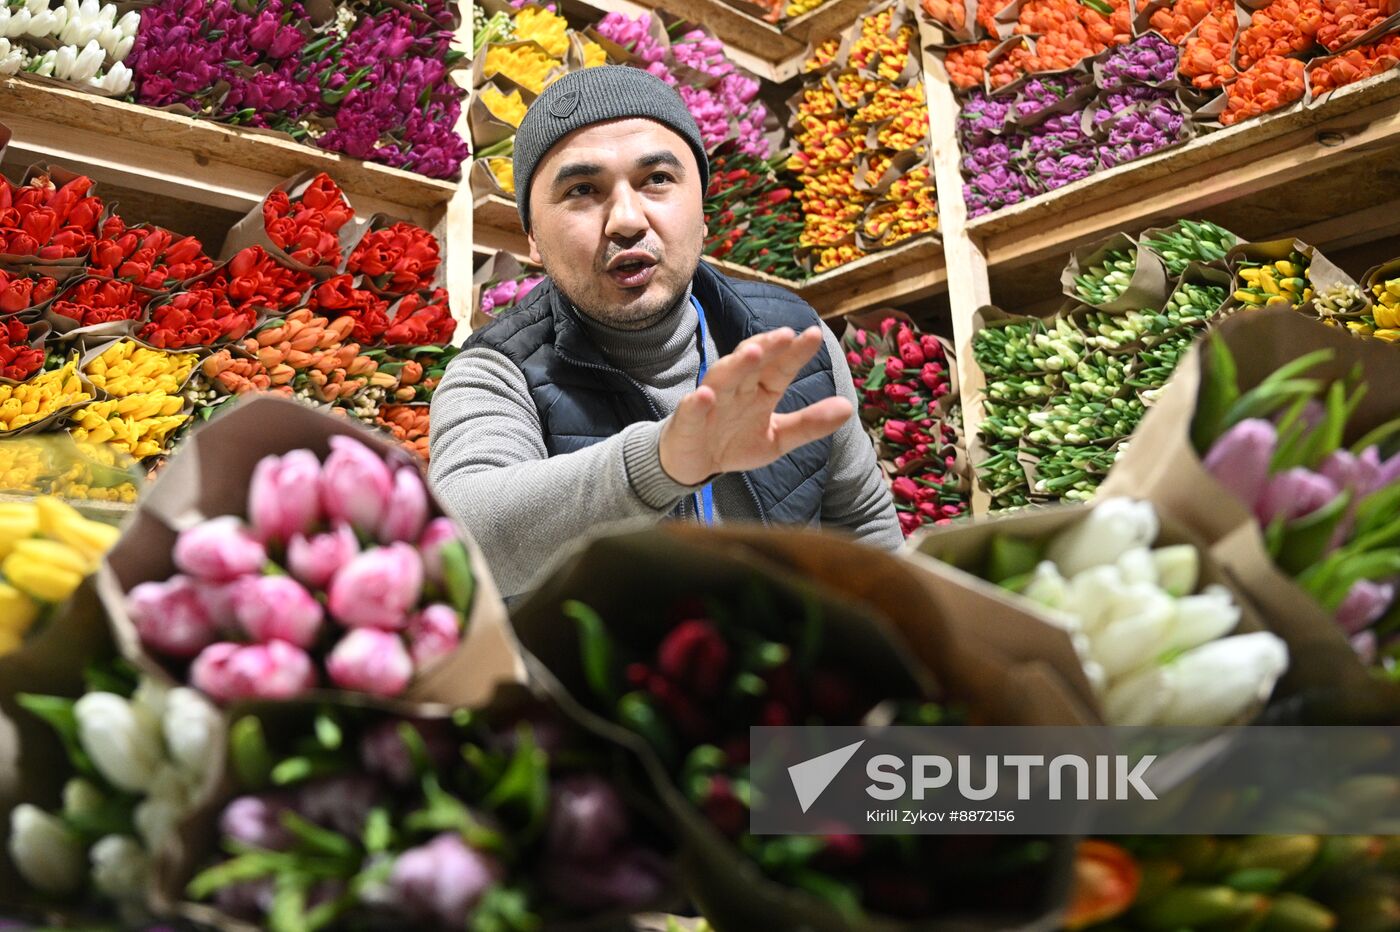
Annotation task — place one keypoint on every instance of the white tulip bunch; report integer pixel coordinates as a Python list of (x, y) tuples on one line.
[(157, 746), (93, 42), (13, 57), (83, 67), (1155, 653)]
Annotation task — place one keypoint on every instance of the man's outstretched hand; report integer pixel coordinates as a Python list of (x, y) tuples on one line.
[(728, 424)]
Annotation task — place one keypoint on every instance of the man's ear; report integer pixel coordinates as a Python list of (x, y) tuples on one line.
[(534, 250)]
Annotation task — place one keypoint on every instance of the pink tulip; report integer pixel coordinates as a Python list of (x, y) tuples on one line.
[(355, 484), (370, 661), (1293, 494), (440, 882), (229, 672), (905, 489), (315, 560), (1361, 474), (407, 509), (1365, 602), (218, 603), (1365, 646), (378, 588), (439, 533), (171, 617), (219, 550), (284, 497), (257, 821), (277, 608), (1239, 459), (433, 633)]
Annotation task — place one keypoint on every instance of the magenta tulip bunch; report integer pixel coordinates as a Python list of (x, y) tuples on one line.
[(336, 576)]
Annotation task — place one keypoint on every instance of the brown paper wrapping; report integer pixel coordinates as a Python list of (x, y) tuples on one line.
[(1161, 466), (487, 129), (616, 574), (1321, 273), (483, 182), (211, 476), (1148, 288), (252, 231)]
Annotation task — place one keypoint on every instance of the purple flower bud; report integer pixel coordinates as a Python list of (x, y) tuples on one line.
[(257, 821), (340, 803), (1239, 459), (1365, 602), (587, 818), (384, 753), (443, 880), (631, 878), (1294, 494)]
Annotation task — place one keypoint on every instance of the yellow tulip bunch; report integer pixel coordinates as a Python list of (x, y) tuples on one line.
[(1387, 304), (550, 30), (524, 64), (46, 393), (140, 425), (46, 548), (128, 368), (797, 8), (823, 55), (509, 108), (54, 464), (504, 172), (594, 54), (24, 464)]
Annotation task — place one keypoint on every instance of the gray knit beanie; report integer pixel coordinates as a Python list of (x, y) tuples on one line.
[(595, 95)]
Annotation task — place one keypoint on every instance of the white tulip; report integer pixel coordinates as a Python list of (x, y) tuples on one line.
[(64, 62), (81, 798), (4, 20), (151, 696), (1137, 567), (1215, 683), (42, 25), (1201, 618), (122, 739), (1047, 587), (46, 852), (1111, 527), (121, 869), (1092, 595), (89, 10), (1098, 680), (43, 65), (108, 15), (19, 23), (130, 24), (89, 62), (1136, 700), (193, 728), (35, 7), (1129, 640), (122, 48), (156, 820), (1178, 568), (116, 80), (108, 38)]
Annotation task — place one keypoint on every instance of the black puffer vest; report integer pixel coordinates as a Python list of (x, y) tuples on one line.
[(582, 399)]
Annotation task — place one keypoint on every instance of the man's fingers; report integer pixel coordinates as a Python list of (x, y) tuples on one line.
[(694, 408), (813, 422), (782, 367), (728, 374)]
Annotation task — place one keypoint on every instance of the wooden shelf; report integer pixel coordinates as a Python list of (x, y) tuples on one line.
[(109, 512), (193, 160), (905, 273), (1329, 174)]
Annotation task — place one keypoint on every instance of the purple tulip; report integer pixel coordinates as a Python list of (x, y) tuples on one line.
[(219, 550), (1365, 646), (587, 818), (1293, 494), (1239, 459), (1361, 474), (315, 560), (171, 617), (372, 661), (340, 803), (356, 485), (631, 878), (407, 508), (1148, 59), (257, 821), (1365, 602), (277, 608), (378, 588), (443, 880), (384, 753)]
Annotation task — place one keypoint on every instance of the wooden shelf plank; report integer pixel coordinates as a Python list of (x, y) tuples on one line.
[(905, 273), (196, 160), (826, 21)]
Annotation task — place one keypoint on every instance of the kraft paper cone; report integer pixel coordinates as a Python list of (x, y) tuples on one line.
[(1161, 466), (1148, 287), (210, 477), (615, 575)]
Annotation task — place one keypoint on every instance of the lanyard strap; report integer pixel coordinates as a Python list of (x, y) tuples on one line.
[(704, 500)]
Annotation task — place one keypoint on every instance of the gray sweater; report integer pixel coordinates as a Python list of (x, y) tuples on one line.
[(490, 467)]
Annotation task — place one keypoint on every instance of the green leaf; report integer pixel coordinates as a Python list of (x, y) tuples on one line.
[(1257, 879), (304, 767), (116, 675), (317, 840), (57, 711), (288, 912), (457, 573), (328, 731), (1305, 541), (378, 834), (1263, 400), (503, 910), (1009, 557), (248, 750), (524, 787), (1376, 509), (254, 865), (1218, 393), (1377, 437), (635, 712), (595, 649)]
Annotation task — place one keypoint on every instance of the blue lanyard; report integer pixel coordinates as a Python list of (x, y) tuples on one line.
[(704, 500)]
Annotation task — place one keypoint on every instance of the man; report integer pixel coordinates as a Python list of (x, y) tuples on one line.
[(636, 381)]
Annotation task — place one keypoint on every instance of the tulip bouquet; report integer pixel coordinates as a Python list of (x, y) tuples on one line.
[(418, 369), (149, 257), (1327, 512), (1190, 241), (1354, 65), (1155, 650), (1282, 281), (19, 358), (372, 83), (499, 819), (43, 396), (46, 549), (144, 408), (1279, 28), (307, 227), (1206, 56), (86, 43), (399, 259), (1385, 320), (139, 754), (1175, 20), (903, 377), (752, 217), (95, 301), (336, 570), (20, 290), (967, 64), (500, 297), (49, 217), (1068, 32), (54, 464), (409, 425), (1271, 83)]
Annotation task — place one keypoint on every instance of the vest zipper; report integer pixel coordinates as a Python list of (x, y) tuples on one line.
[(656, 412)]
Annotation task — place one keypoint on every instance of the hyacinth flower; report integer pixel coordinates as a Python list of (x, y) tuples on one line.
[(1328, 513)]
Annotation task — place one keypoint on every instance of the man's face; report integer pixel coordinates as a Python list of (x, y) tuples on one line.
[(617, 220)]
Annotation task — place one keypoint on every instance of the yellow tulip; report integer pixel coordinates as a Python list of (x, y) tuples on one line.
[(17, 611), (29, 570), (62, 522), (18, 520), (9, 641)]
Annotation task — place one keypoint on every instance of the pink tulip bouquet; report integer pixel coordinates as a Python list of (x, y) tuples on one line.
[(502, 818), (333, 575), (1328, 512)]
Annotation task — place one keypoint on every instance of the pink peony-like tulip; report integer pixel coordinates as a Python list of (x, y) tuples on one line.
[(1294, 493), (379, 588), (407, 510), (438, 533), (219, 550), (443, 880), (277, 608), (1239, 459), (284, 497), (316, 559), (433, 633), (1365, 602), (275, 670), (355, 485), (171, 617), (372, 661)]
